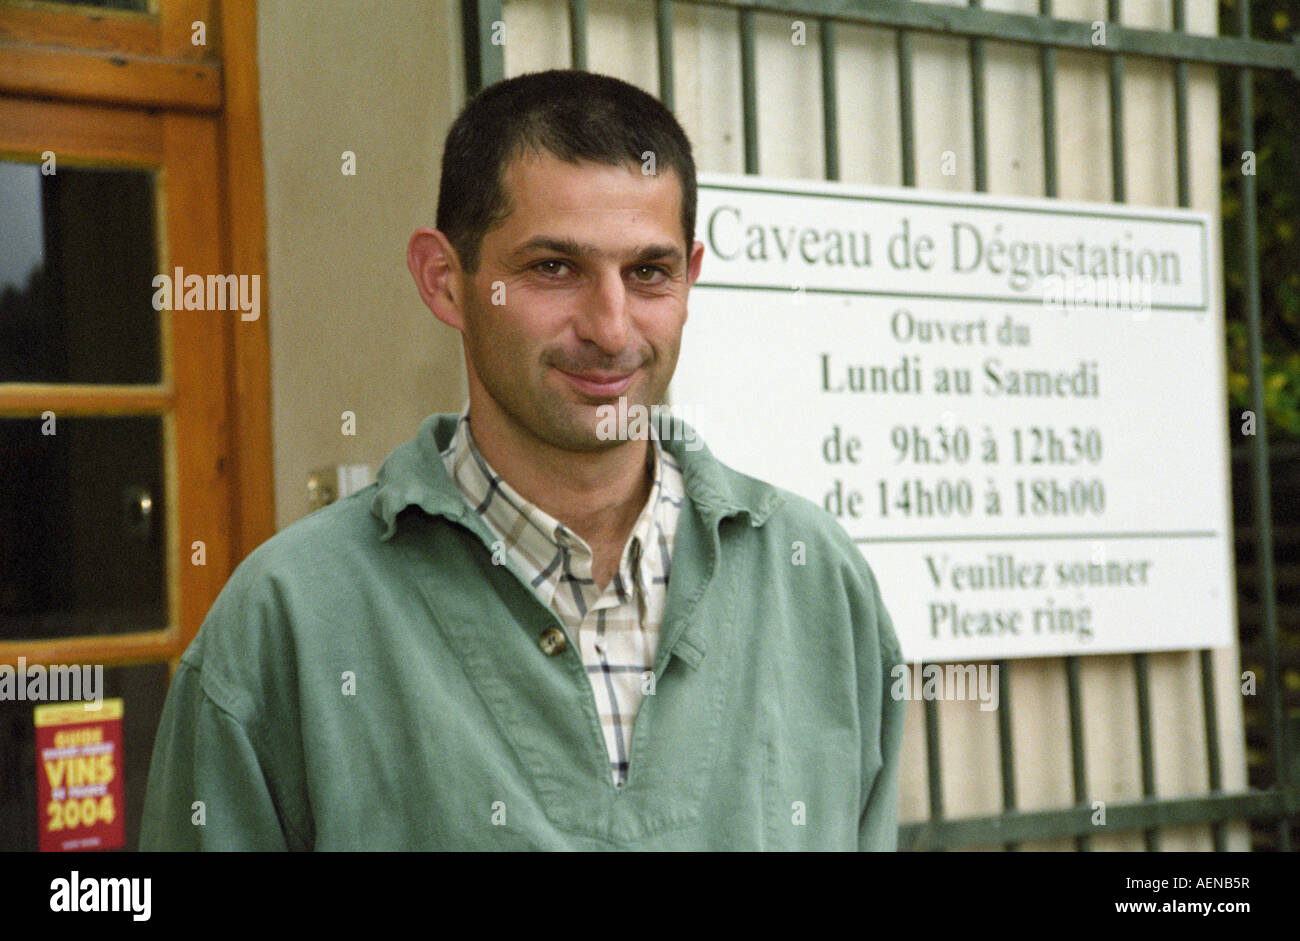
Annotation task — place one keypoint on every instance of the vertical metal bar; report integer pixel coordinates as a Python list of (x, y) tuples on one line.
[(1072, 685), (978, 135), (1208, 705), (907, 137), (1180, 113), (906, 117), (484, 58), (1259, 443), (979, 141), (748, 89), (1119, 193), (1047, 67), (664, 44), (1212, 742), (1118, 189), (1006, 743), (578, 34), (1051, 188), (933, 761), (830, 101), (1140, 666)]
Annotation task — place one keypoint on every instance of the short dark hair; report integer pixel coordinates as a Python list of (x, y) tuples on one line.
[(571, 114)]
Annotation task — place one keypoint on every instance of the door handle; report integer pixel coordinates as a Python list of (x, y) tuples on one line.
[(138, 511)]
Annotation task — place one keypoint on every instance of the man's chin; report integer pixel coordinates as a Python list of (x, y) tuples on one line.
[(602, 426)]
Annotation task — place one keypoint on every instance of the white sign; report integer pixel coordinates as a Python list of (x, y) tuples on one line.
[(1014, 406)]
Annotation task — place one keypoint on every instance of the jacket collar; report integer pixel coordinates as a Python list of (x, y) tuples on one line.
[(414, 475)]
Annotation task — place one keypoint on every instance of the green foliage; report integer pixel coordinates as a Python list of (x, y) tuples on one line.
[(1277, 164)]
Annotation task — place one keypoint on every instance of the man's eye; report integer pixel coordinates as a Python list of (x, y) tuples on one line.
[(551, 266), (648, 273)]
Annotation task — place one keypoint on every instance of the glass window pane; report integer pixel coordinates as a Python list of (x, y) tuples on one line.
[(77, 263), (82, 527)]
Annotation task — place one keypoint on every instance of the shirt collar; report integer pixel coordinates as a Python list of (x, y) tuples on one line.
[(413, 475), (533, 532)]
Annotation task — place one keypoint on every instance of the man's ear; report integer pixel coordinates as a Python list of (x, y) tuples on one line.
[(435, 266), (693, 270), (693, 267)]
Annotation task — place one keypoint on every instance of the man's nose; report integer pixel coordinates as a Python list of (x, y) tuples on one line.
[(604, 319)]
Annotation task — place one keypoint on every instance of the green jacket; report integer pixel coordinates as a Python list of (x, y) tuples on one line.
[(369, 679)]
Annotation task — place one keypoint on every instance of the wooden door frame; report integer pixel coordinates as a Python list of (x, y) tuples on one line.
[(70, 57), (244, 207)]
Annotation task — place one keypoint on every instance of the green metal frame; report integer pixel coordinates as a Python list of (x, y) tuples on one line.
[(485, 65)]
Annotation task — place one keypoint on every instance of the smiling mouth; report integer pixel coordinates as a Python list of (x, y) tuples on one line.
[(600, 385)]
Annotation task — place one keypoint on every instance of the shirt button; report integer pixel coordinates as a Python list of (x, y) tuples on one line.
[(553, 641)]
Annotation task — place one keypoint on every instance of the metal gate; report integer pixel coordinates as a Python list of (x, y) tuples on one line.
[(1276, 805)]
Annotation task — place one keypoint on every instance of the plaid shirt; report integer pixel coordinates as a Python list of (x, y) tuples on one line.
[(617, 630)]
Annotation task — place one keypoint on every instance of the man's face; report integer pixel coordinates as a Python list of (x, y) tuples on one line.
[(579, 298)]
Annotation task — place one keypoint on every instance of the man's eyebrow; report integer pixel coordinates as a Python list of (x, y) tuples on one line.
[(576, 249)]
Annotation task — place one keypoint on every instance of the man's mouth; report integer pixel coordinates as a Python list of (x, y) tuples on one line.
[(600, 384)]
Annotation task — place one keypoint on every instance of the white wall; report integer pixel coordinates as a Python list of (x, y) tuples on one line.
[(348, 331)]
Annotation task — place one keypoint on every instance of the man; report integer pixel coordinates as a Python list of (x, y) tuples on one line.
[(530, 633)]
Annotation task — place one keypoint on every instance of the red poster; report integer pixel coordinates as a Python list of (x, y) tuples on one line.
[(79, 765)]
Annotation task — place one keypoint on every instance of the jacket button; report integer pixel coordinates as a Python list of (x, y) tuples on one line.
[(553, 641)]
